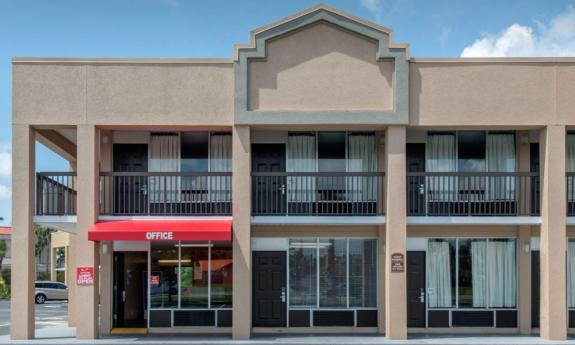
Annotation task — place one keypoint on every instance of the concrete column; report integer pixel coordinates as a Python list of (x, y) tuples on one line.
[(23, 236), (241, 205), (396, 233), (524, 285), (87, 254), (553, 233)]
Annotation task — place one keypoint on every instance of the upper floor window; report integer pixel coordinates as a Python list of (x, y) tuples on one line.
[(471, 151)]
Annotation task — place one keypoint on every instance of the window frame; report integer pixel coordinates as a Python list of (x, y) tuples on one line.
[(318, 291), (456, 307)]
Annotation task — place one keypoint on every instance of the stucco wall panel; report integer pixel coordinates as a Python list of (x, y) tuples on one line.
[(48, 94), (566, 94), (321, 68), (161, 94), (481, 94)]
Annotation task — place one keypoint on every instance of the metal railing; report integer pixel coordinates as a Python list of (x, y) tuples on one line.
[(55, 193), (570, 186), (473, 194), (166, 194), (317, 194)]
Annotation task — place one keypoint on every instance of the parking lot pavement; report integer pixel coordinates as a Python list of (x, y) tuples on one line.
[(47, 315)]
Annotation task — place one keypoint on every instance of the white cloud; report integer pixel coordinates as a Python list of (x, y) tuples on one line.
[(5, 160), (556, 38), (5, 192), (374, 6)]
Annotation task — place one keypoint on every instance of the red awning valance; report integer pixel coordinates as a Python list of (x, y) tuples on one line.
[(162, 230)]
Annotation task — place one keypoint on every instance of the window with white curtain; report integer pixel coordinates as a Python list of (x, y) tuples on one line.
[(441, 156), (471, 151), (332, 273), (301, 157), (331, 152), (220, 160), (485, 274), (164, 157)]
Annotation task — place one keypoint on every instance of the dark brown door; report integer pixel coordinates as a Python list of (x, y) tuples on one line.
[(535, 184), (269, 192), (535, 289), (269, 289), (416, 184), (415, 289), (130, 289), (130, 192)]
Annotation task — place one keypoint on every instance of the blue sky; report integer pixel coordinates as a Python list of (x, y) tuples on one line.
[(189, 28)]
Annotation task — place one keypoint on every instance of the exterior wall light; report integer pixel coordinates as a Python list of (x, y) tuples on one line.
[(526, 247)]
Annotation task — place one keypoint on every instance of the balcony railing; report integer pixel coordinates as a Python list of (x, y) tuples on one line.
[(317, 194), (55, 193), (166, 194), (570, 185), (473, 194)]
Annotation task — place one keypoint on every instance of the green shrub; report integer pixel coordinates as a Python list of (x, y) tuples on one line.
[(6, 276)]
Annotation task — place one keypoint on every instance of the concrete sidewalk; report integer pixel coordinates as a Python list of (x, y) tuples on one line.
[(64, 335)]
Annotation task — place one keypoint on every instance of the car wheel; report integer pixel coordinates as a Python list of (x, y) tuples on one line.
[(40, 299)]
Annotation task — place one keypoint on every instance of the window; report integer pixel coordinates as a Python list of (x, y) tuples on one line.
[(221, 279), (205, 279), (164, 275), (471, 151), (331, 151), (194, 151), (471, 273), (194, 275), (303, 272), (333, 273), (362, 273)]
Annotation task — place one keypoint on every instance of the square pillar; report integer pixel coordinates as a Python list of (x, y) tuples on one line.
[(396, 233), (553, 233), (87, 255), (23, 235), (241, 236)]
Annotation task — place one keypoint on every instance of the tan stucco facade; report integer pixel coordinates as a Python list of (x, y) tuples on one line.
[(320, 72)]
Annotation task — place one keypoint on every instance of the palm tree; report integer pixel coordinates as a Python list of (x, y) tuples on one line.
[(42, 239)]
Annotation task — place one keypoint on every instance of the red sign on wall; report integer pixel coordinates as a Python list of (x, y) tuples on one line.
[(155, 279), (85, 276), (397, 263)]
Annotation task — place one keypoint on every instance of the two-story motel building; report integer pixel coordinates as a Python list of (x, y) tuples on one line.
[(321, 180)]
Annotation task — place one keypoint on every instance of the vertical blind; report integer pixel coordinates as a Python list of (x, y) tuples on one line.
[(301, 157)]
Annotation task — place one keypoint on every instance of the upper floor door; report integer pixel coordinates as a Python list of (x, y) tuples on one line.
[(130, 192), (269, 192)]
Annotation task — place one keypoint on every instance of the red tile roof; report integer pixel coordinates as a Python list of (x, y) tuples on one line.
[(5, 230)]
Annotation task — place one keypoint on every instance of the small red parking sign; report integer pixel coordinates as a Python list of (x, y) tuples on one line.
[(85, 276)]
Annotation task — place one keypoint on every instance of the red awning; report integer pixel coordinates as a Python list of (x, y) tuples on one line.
[(163, 230)]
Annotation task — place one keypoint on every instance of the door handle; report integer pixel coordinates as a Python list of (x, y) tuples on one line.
[(422, 295), (144, 189), (282, 188), (124, 296), (283, 295), (421, 189)]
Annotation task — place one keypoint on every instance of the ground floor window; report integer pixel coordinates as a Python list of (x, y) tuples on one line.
[(332, 273), (190, 275), (471, 273)]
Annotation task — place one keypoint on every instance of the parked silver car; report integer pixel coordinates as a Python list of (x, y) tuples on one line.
[(48, 291)]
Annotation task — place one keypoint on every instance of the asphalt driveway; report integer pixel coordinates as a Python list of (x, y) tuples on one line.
[(48, 314)]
